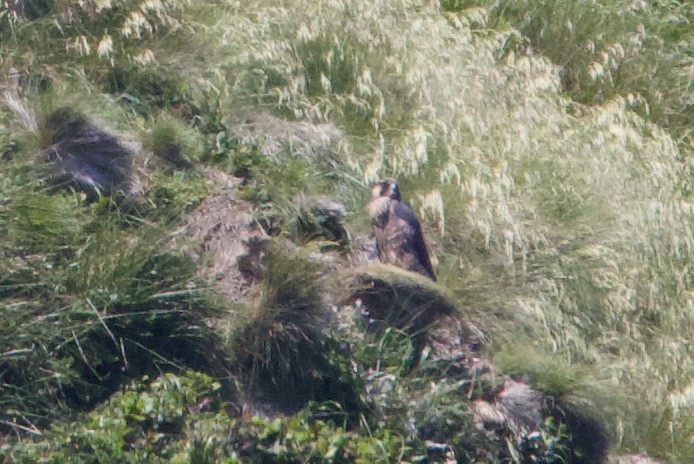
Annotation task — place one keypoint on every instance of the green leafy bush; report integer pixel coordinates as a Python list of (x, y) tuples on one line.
[(147, 422), (181, 419)]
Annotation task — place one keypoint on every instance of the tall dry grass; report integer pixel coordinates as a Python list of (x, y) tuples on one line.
[(576, 219)]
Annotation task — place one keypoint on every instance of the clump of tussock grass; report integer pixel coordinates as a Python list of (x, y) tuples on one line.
[(174, 142), (282, 350), (313, 221), (169, 195), (40, 221), (288, 190), (98, 47), (110, 31), (278, 137), (547, 372), (403, 299), (89, 302), (319, 219), (399, 308), (92, 295), (276, 181)]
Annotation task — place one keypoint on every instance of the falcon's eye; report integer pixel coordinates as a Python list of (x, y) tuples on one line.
[(393, 190)]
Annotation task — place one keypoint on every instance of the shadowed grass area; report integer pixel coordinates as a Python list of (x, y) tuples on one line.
[(89, 301), (403, 299), (94, 315)]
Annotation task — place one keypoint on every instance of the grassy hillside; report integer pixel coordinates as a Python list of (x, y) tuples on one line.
[(545, 145)]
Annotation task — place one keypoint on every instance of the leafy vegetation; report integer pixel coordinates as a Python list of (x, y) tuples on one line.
[(546, 146)]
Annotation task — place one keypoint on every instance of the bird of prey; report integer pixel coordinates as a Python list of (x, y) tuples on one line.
[(399, 238)]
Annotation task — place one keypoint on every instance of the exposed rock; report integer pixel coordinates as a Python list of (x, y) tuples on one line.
[(516, 406), (456, 344), (319, 219), (363, 250), (521, 405), (325, 208), (486, 413), (223, 228)]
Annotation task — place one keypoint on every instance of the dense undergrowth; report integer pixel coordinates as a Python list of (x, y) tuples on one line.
[(546, 146)]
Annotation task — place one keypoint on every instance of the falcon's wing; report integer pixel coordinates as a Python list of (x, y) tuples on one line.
[(415, 238)]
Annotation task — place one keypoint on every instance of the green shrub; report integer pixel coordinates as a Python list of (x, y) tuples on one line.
[(174, 142), (150, 421), (548, 446), (170, 196)]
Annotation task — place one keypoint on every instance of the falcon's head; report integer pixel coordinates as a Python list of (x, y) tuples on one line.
[(386, 188)]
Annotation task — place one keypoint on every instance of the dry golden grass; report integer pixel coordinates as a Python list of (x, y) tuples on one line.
[(583, 210)]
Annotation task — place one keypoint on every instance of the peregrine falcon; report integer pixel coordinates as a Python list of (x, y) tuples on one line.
[(399, 238)]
